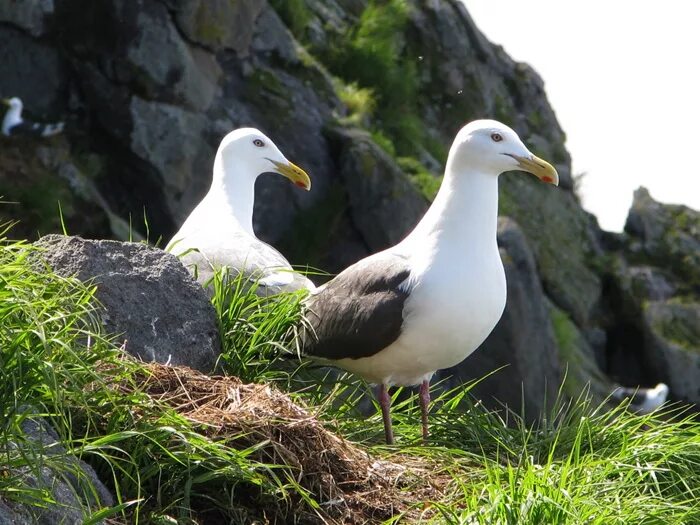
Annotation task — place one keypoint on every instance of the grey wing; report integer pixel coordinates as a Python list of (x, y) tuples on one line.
[(359, 312), (637, 396), (35, 129), (26, 128), (257, 260)]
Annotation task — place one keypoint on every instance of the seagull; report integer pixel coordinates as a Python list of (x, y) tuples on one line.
[(219, 231), (14, 125), (398, 316), (642, 400)]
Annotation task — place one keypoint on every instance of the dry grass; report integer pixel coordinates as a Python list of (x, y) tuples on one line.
[(350, 486)]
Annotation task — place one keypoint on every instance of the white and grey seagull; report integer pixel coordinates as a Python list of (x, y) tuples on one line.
[(219, 231), (398, 316), (13, 124), (642, 400)]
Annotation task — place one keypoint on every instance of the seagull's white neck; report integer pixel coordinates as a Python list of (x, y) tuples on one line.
[(235, 194), (464, 212), (12, 118)]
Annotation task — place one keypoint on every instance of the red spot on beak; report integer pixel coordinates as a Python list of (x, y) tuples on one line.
[(547, 178), (300, 184)]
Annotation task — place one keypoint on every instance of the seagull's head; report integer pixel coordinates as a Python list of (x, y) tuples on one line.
[(493, 147), (249, 152), (13, 103), (661, 391)]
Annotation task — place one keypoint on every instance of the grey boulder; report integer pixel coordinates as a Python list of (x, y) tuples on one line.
[(673, 345), (72, 483), (147, 296)]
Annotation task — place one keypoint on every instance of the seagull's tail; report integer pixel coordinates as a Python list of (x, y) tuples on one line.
[(52, 129)]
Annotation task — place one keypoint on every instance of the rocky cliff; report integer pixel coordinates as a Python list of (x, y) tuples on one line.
[(366, 96)]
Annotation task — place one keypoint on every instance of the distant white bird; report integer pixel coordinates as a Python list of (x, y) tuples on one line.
[(398, 316), (219, 231), (14, 125), (642, 400)]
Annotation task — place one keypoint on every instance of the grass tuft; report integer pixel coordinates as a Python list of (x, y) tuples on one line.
[(176, 446), (255, 328)]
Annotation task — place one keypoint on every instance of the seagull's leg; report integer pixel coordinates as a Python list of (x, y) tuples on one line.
[(424, 396), (385, 403)]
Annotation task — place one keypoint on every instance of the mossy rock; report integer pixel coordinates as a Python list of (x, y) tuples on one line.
[(577, 359), (665, 235), (673, 345), (38, 197), (219, 24), (677, 322), (560, 234)]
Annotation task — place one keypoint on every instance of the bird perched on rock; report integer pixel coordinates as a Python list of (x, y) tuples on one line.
[(219, 231), (14, 125), (642, 400), (398, 316)]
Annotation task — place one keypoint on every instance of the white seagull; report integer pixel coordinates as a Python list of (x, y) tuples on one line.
[(642, 400), (398, 316), (219, 231), (14, 125)]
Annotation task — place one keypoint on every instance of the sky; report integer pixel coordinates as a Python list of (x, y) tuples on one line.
[(623, 77)]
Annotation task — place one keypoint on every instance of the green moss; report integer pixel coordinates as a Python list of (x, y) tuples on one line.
[(374, 58), (384, 142), (307, 59), (37, 204), (574, 355), (565, 334), (427, 183), (295, 14), (558, 232), (208, 27), (678, 332), (360, 102), (679, 325), (682, 220), (272, 99), (534, 118), (43, 199), (437, 148), (262, 79), (502, 109)]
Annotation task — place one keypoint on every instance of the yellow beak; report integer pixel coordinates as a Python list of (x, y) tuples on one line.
[(541, 169), (294, 173)]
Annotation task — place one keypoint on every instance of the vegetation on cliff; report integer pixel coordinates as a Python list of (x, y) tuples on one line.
[(174, 445), (270, 441)]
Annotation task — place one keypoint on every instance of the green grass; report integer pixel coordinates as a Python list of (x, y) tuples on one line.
[(376, 79), (588, 466), (427, 183), (360, 102), (295, 15), (255, 329), (55, 364), (373, 59), (580, 464)]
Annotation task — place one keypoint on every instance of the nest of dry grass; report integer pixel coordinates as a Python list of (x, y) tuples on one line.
[(351, 486)]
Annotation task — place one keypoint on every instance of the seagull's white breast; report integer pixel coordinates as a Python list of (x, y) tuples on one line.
[(455, 303)]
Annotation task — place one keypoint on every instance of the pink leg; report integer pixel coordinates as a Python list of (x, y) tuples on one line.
[(385, 403), (424, 396)]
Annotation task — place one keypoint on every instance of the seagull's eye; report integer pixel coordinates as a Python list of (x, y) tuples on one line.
[(259, 143), (496, 137)]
